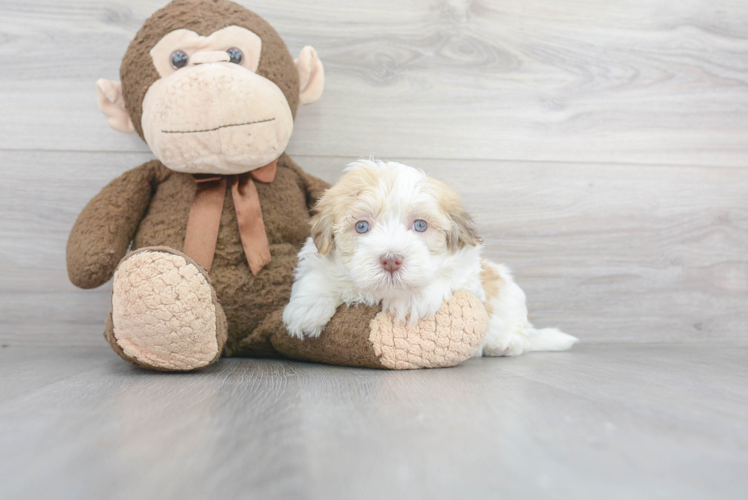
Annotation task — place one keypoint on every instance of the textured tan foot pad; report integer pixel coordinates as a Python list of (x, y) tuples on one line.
[(164, 312), (451, 337)]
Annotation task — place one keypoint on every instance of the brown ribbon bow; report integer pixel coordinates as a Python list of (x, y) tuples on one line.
[(205, 216)]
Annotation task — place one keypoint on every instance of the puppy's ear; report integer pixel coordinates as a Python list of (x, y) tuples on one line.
[(462, 232), (322, 228)]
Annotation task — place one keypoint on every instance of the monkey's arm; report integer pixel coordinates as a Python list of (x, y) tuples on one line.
[(106, 226), (367, 337)]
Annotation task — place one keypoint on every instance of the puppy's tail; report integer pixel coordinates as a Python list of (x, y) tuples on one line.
[(548, 339)]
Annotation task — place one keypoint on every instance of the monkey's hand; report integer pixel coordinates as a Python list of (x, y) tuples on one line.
[(101, 235)]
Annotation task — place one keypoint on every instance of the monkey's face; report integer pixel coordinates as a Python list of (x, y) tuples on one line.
[(211, 105), (210, 112)]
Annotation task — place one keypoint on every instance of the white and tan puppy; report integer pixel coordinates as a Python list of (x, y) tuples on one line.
[(387, 233)]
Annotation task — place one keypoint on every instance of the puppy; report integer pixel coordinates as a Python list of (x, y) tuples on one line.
[(387, 233)]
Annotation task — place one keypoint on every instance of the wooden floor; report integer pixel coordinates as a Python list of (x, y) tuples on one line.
[(603, 150), (599, 422)]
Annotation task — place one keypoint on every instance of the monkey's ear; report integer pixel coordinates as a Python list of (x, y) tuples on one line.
[(311, 76), (112, 104)]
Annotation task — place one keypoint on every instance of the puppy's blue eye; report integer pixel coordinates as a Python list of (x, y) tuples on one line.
[(179, 59), (420, 225), (362, 227)]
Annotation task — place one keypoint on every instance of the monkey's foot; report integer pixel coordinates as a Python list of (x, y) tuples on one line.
[(367, 337), (451, 337), (165, 315)]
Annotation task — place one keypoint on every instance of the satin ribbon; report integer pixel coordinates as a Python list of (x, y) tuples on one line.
[(205, 216)]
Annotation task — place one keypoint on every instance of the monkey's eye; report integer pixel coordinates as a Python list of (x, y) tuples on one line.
[(179, 59), (235, 55), (362, 227), (420, 225)]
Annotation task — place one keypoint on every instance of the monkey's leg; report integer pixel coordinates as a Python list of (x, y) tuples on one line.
[(366, 337), (165, 315)]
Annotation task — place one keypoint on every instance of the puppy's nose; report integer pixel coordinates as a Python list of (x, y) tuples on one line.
[(390, 262)]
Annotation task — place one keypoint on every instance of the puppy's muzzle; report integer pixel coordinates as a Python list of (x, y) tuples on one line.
[(391, 262)]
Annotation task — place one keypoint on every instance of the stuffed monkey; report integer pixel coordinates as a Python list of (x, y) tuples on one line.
[(213, 225)]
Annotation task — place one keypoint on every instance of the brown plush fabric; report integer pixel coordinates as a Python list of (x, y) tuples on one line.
[(148, 207), (345, 341), (162, 199), (203, 17), (104, 229)]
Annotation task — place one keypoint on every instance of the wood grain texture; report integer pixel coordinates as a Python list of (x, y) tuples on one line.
[(604, 421), (643, 81), (606, 252)]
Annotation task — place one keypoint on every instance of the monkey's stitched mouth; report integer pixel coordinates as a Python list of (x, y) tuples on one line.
[(215, 128)]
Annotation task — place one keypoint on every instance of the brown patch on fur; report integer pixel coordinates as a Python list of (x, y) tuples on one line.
[(463, 231), (203, 17), (334, 207), (491, 285), (322, 229)]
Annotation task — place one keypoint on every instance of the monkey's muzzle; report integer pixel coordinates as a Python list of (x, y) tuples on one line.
[(216, 118)]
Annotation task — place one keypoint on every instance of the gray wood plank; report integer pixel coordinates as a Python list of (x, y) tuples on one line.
[(600, 421), (606, 252), (645, 81), (20, 375), (192, 455)]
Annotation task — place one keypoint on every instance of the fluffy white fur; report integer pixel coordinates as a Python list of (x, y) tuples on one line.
[(337, 265)]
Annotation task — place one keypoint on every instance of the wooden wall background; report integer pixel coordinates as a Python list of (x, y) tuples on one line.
[(602, 146)]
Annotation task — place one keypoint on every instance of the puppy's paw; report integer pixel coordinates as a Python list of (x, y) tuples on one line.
[(305, 319), (302, 328), (505, 344), (302, 334)]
